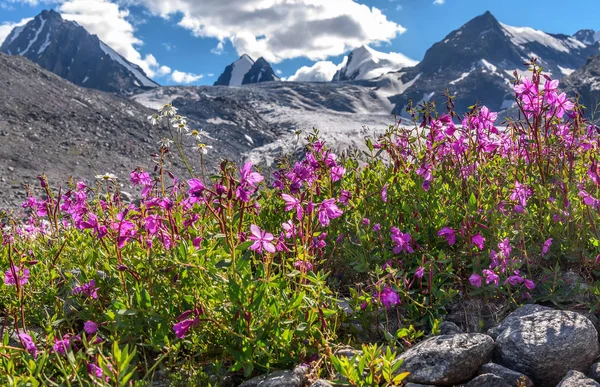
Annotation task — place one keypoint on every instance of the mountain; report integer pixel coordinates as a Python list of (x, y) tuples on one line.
[(50, 125), (245, 71), (68, 50), (477, 63), (366, 63), (585, 83), (588, 37)]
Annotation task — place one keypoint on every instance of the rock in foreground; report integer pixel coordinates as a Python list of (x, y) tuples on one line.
[(448, 359)]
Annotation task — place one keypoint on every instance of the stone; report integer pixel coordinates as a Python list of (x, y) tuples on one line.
[(511, 377), (449, 328), (547, 344), (525, 310), (418, 385), (577, 379), (488, 380), (448, 359), (594, 372), (321, 383), (285, 378)]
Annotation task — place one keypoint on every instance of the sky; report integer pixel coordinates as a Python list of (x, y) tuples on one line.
[(190, 42)]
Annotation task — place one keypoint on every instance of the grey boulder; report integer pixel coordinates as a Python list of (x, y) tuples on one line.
[(287, 378), (511, 377), (488, 380), (594, 372), (523, 311), (546, 345), (577, 379), (449, 328), (446, 360)]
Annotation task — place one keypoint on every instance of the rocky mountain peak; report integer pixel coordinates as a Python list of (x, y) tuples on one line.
[(70, 51)]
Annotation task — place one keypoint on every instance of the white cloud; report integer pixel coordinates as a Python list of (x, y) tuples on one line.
[(163, 70), (219, 50), (439, 2), (281, 29), (6, 28), (111, 24), (181, 77), (319, 72)]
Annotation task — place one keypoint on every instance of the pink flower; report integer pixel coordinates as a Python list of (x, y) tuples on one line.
[(491, 277), (521, 193), (62, 346), (514, 280), (546, 246), (249, 177), (401, 240), (529, 284), (478, 241), (337, 173), (384, 193), (88, 289), (292, 203), (21, 273), (185, 323), (475, 280), (328, 211), (345, 197), (420, 271), (262, 240), (366, 221), (389, 297), (28, 343), (526, 87), (562, 105), (449, 234), (289, 228), (376, 227), (550, 88), (90, 327), (196, 190)]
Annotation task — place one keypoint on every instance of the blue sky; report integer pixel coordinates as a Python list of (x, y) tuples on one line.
[(191, 41)]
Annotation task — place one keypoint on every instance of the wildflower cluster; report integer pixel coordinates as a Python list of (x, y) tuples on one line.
[(243, 271)]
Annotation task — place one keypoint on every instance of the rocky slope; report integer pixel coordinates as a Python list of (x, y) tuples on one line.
[(47, 124), (585, 83), (68, 50)]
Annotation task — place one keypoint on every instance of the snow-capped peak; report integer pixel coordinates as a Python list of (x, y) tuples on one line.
[(367, 63), (240, 68), (522, 35), (589, 37)]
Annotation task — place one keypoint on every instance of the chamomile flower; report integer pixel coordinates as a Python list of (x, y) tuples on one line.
[(198, 134), (106, 176), (203, 148), (168, 110), (165, 142), (154, 119)]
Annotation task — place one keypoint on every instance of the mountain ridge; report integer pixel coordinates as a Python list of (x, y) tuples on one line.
[(70, 51)]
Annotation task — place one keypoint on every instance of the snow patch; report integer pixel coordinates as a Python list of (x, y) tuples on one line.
[(16, 32), (46, 43), (524, 35), (85, 79), (566, 71), (250, 140), (488, 65), (240, 68), (35, 38), (118, 58), (462, 76), (219, 121)]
